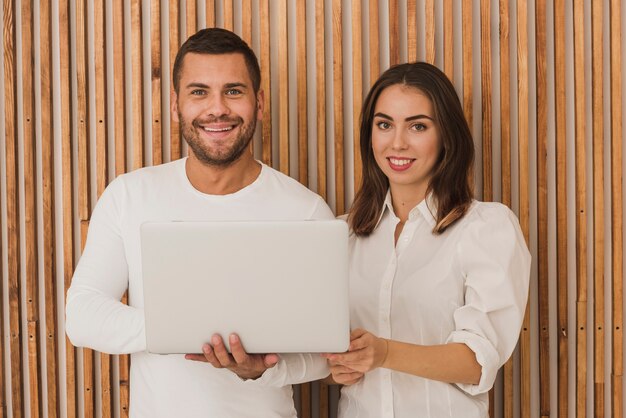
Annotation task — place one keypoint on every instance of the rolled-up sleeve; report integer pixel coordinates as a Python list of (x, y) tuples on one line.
[(95, 317), (495, 262), (293, 369)]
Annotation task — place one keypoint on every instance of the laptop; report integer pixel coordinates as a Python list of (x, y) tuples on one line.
[(282, 286)]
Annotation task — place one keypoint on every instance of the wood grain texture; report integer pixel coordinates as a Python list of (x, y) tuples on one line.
[(210, 13), (598, 207), (505, 102), (411, 29), (119, 91), (541, 91), (176, 149), (302, 94), (48, 210), (67, 139), (89, 382), (617, 214), (561, 207), (30, 208), (524, 175), (305, 400), (485, 77), (374, 42), (12, 209), (581, 215), (138, 134), (357, 89), (155, 55), (246, 20), (283, 89), (430, 30), (266, 139), (320, 92), (448, 39), (228, 14), (323, 402), (467, 61), (191, 13), (338, 110), (99, 53), (394, 32)]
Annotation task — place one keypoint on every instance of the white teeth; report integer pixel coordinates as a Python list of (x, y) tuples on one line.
[(395, 161), (218, 130)]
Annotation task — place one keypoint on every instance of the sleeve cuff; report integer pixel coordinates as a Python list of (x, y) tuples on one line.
[(293, 369), (487, 357)]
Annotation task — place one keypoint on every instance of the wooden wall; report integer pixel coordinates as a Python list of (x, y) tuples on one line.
[(86, 98)]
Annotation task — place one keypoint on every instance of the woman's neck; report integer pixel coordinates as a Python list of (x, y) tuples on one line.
[(405, 198)]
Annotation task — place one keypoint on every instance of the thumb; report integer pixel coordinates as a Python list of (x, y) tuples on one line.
[(270, 360)]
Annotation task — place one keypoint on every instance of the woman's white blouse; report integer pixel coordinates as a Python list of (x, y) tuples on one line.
[(468, 285)]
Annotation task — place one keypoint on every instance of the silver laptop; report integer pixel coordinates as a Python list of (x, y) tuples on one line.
[(281, 286)]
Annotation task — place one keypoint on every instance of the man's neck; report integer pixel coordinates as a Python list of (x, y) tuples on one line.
[(216, 180)]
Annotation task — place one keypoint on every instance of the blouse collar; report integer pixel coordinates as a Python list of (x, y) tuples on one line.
[(427, 208)]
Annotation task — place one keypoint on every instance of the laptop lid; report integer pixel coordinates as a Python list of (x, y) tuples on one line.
[(281, 286)]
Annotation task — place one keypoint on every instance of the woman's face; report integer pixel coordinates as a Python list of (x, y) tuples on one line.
[(405, 138)]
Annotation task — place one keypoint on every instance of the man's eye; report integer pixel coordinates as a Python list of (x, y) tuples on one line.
[(233, 92), (197, 92)]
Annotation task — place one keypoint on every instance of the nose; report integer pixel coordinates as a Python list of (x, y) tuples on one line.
[(399, 141), (217, 106)]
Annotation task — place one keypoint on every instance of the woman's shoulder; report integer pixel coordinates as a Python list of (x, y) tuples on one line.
[(489, 212)]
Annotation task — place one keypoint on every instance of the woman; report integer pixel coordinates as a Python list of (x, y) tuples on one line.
[(438, 281)]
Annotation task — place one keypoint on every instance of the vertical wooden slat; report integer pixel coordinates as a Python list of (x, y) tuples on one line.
[(228, 14), (467, 61), (88, 355), (192, 18), (485, 55), (394, 33), (598, 207), (301, 71), (30, 209), (155, 47), (210, 13), (617, 214), (581, 215), (67, 138), (338, 105), (374, 44), (49, 247), (357, 88), (137, 88), (283, 89), (524, 207), (174, 24), (430, 30), (3, 383), (411, 27), (12, 196), (264, 15), (542, 208), (561, 206), (324, 404), (505, 158), (106, 384), (320, 77), (119, 78), (305, 400), (448, 42), (246, 21), (83, 174)]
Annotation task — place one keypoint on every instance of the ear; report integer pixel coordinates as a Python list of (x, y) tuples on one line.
[(174, 105), (260, 103)]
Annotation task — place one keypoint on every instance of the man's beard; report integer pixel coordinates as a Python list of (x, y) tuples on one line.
[(204, 153)]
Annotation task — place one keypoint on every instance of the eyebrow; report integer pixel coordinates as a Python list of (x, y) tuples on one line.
[(410, 118), (205, 86)]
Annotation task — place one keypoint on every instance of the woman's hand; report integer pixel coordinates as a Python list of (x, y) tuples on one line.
[(366, 352)]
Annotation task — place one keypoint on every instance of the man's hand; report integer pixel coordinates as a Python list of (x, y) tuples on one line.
[(244, 365), (344, 375)]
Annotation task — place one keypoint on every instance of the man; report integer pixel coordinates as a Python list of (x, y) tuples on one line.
[(217, 101)]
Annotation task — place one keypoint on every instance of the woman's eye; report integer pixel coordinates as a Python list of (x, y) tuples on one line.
[(419, 127), (383, 125)]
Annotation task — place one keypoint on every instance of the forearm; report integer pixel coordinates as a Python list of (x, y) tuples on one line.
[(452, 363)]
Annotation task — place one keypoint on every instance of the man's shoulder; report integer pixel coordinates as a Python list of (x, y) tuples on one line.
[(276, 178), (151, 173)]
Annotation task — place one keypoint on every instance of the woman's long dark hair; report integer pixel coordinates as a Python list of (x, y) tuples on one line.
[(450, 182)]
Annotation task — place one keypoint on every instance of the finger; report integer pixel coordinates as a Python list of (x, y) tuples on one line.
[(359, 343), (209, 356), (270, 360), (196, 357), (237, 350), (219, 349), (356, 333), (341, 370)]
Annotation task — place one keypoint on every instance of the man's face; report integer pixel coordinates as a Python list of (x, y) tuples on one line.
[(216, 106)]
